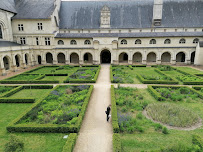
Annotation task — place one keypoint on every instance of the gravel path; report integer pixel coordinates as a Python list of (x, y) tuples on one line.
[(96, 134)]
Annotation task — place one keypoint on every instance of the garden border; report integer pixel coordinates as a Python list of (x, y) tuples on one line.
[(49, 128), (70, 143), (157, 95)]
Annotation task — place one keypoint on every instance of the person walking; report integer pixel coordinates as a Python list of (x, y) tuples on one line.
[(108, 110)]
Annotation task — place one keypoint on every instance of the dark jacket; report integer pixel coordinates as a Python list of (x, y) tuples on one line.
[(108, 110)]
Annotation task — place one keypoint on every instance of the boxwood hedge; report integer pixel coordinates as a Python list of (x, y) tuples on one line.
[(70, 143)]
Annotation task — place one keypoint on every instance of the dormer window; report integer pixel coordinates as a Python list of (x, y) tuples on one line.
[(196, 40), (20, 27), (105, 17), (73, 42), (123, 41)]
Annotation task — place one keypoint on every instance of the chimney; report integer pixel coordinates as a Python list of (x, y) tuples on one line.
[(157, 12)]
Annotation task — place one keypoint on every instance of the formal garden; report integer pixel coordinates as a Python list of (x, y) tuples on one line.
[(36, 117), (164, 117), (160, 118), (56, 74), (161, 74)]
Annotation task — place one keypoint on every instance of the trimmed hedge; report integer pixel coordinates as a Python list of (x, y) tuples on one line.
[(56, 74), (111, 74), (189, 82), (48, 128), (157, 95), (17, 100), (28, 82), (116, 142), (199, 74), (13, 91), (114, 111), (155, 81), (139, 66), (70, 143), (84, 81), (38, 87)]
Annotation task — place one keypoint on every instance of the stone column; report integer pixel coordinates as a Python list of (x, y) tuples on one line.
[(67, 58), (54, 58), (2, 69), (13, 64)]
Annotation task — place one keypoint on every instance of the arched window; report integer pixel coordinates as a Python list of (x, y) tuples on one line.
[(152, 41), (123, 41), (87, 42), (138, 41), (167, 41), (73, 42), (182, 41), (60, 42), (196, 40), (1, 33)]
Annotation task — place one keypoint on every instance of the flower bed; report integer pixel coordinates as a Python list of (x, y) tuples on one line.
[(62, 110)]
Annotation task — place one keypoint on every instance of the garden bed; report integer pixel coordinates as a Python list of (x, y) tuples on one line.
[(62, 110)]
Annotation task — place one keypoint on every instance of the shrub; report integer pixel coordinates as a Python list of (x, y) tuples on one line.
[(165, 130), (197, 140), (14, 145), (116, 142), (158, 127), (176, 148)]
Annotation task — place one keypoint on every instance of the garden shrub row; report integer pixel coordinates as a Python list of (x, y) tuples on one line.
[(111, 74), (34, 69), (17, 100), (162, 73), (114, 111), (48, 128), (139, 66), (116, 142), (188, 82), (70, 143), (38, 87), (157, 96), (13, 91), (199, 74), (155, 81), (28, 82)]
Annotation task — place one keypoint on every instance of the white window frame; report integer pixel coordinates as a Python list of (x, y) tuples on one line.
[(22, 40), (47, 41), (20, 27), (40, 26)]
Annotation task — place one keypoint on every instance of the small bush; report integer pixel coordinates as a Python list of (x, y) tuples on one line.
[(197, 140), (165, 130), (14, 145)]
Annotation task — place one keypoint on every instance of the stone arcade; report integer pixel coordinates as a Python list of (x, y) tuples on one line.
[(94, 32)]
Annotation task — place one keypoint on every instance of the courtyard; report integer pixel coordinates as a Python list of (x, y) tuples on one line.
[(153, 108)]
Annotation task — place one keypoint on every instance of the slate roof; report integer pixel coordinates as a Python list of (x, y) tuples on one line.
[(126, 35), (8, 5), (130, 14), (34, 9), (8, 44)]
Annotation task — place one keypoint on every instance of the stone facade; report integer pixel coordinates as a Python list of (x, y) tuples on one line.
[(45, 42)]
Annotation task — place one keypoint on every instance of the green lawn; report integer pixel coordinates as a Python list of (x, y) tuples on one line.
[(30, 93), (150, 139), (55, 78), (190, 70), (24, 77), (34, 142), (44, 70)]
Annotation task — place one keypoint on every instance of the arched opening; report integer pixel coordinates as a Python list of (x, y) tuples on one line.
[(88, 58), (151, 57), (123, 58), (26, 59), (192, 59), (6, 63), (105, 56), (1, 32), (39, 58), (17, 58), (60, 42), (137, 57), (74, 58), (166, 57), (61, 58), (180, 57), (49, 58)]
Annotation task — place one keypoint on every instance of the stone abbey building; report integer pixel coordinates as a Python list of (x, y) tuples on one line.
[(94, 32)]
